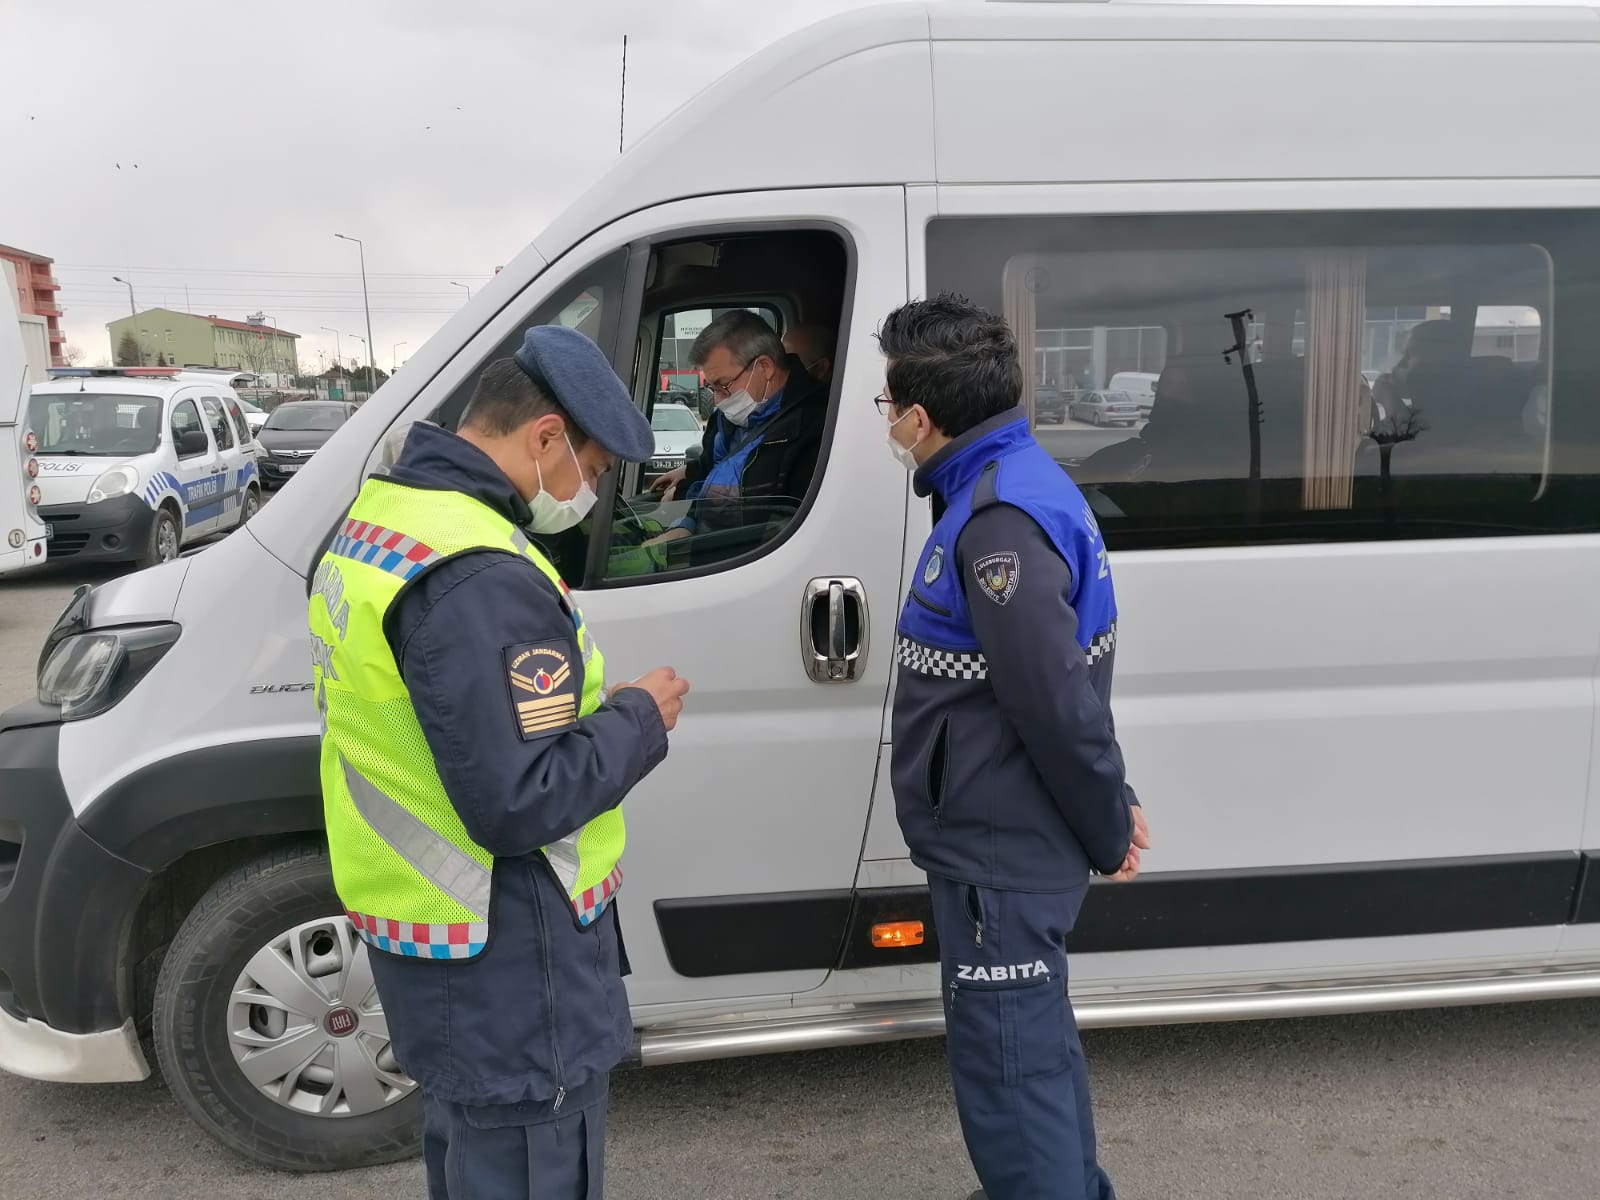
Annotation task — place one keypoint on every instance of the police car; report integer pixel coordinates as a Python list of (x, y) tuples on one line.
[(135, 462)]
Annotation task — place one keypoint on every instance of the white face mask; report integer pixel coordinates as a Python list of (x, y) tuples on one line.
[(738, 407), (903, 454), (549, 515)]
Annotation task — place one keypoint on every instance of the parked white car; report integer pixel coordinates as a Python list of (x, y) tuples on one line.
[(136, 462), (676, 428)]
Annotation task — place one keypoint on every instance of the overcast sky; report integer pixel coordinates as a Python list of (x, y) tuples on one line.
[(444, 135)]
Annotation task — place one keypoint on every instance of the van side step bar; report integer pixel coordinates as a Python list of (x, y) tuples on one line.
[(862, 1024)]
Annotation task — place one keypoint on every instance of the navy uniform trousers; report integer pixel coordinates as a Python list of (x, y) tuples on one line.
[(1022, 1090), (517, 1151)]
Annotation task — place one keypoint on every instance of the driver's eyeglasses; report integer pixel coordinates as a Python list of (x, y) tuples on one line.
[(725, 389), (883, 402)]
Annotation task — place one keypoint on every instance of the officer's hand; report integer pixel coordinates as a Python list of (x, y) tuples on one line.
[(1141, 829), (671, 479), (1129, 869), (667, 688)]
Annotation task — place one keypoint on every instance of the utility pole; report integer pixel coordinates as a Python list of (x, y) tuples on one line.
[(367, 304), (133, 310)]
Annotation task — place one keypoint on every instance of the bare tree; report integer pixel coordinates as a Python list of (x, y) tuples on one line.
[(259, 353), (72, 354)]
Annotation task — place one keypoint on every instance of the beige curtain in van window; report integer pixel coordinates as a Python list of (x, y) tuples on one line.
[(1024, 278), (1336, 317)]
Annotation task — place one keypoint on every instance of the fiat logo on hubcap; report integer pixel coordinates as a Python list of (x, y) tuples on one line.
[(341, 1022)]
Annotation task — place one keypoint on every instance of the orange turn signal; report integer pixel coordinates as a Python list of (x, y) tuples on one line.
[(896, 934)]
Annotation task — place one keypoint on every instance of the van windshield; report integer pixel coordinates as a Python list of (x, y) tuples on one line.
[(98, 424)]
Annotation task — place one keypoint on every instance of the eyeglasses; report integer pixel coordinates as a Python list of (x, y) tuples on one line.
[(725, 389), (883, 402)]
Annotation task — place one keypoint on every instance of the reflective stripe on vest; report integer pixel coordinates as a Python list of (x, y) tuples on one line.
[(450, 870)]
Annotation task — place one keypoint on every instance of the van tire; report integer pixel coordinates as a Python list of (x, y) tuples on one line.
[(165, 539), (243, 912), (251, 505)]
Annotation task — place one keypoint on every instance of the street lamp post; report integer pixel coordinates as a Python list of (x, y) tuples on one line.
[(463, 286), (133, 310), (394, 357), (365, 303)]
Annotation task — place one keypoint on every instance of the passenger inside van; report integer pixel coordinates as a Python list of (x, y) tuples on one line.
[(813, 345)]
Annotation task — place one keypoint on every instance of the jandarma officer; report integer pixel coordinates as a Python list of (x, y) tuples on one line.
[(473, 765)]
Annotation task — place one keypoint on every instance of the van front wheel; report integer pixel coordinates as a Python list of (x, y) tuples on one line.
[(268, 1026)]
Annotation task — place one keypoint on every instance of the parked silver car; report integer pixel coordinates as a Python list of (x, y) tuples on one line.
[(1104, 408)]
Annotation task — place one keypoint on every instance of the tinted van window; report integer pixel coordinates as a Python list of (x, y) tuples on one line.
[(1316, 377)]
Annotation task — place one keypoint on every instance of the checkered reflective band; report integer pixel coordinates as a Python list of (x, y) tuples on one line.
[(461, 940), (951, 664), (383, 548), (1102, 645), (941, 664), (593, 902)]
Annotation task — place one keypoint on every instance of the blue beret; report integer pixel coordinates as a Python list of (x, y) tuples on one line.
[(579, 377)]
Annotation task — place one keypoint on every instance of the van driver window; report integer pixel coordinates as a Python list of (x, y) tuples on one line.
[(739, 424), (1321, 377)]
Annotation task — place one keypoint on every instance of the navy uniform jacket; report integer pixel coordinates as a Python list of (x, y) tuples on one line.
[(1006, 768), (542, 1011)]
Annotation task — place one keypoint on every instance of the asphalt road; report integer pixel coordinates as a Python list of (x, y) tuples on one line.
[(1455, 1104)]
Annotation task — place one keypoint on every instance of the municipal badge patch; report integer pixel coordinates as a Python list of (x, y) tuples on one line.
[(544, 691), (935, 566), (998, 575)]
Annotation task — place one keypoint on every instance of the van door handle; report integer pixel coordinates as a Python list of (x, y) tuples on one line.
[(833, 630)]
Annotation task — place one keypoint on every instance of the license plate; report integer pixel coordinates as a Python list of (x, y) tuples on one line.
[(290, 468), (49, 531), (662, 464)]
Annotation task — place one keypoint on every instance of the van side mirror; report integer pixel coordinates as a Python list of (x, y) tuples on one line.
[(193, 444)]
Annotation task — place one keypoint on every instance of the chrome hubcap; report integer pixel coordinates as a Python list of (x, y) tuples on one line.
[(306, 1027), (167, 541)]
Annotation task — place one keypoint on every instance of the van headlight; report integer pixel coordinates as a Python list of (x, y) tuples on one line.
[(118, 481), (87, 673)]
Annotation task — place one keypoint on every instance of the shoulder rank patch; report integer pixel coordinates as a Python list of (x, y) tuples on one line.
[(544, 691), (998, 575), (934, 567)]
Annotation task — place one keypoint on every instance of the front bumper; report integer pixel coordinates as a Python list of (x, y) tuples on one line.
[(112, 531), (34, 1050), (277, 472), (65, 904)]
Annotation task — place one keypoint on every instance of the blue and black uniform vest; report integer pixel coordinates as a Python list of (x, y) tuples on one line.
[(971, 803)]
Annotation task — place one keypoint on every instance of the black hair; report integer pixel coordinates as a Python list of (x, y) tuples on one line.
[(507, 398), (958, 361)]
